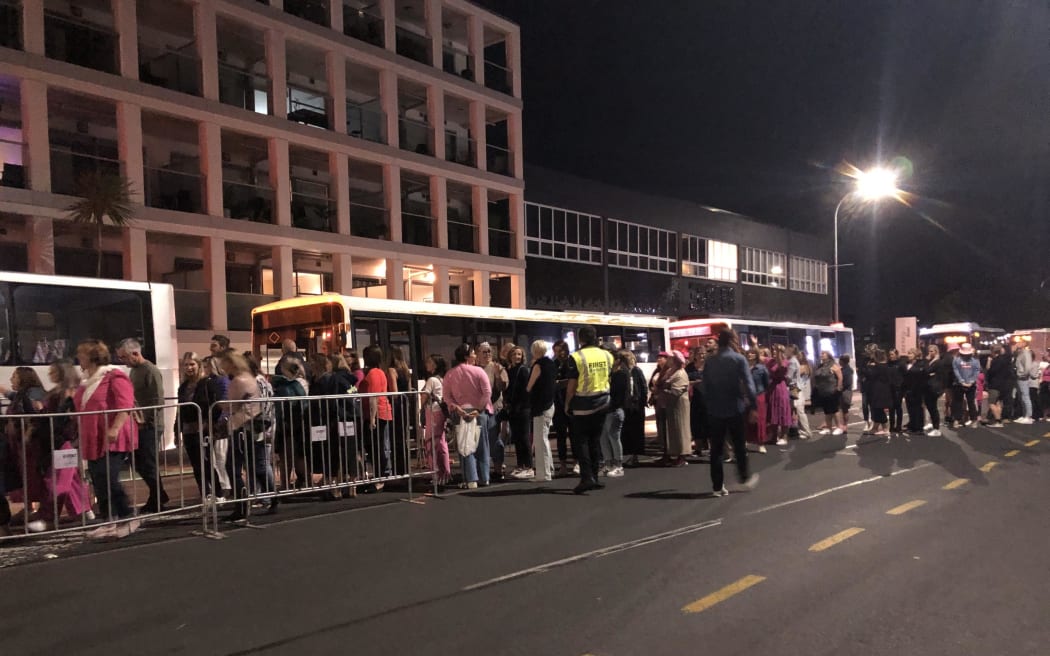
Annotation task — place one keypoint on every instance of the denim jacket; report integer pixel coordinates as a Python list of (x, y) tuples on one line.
[(966, 369)]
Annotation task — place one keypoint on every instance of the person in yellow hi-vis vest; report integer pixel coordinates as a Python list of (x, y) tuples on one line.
[(589, 371)]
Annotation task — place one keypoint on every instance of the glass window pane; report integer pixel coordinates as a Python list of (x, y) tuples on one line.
[(572, 228)]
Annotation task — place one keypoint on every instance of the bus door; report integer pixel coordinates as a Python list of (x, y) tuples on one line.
[(387, 333)]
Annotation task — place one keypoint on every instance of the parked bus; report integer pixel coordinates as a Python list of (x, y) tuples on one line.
[(947, 334), (330, 323), (688, 333), (43, 318)]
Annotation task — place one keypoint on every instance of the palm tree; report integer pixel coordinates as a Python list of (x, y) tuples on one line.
[(102, 196)]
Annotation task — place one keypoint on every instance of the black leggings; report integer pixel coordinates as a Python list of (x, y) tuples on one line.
[(930, 398), (897, 413), (914, 402)]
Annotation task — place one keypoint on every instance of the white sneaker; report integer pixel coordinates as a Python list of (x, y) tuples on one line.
[(751, 482), (928, 427), (782, 442), (934, 433), (527, 473), (604, 471), (1023, 420), (824, 431), (968, 423), (837, 431), (761, 448), (868, 426), (615, 472), (127, 528), (37, 526), (576, 470), (720, 493)]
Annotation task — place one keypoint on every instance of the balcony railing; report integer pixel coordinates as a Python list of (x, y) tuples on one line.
[(501, 242), (174, 190), (178, 70), (67, 167), (247, 202), (80, 42), (497, 159), (315, 11), (417, 229), (497, 77), (459, 148), (457, 62), (413, 45), (11, 24), (239, 308), (313, 212), (415, 136), (241, 88), (308, 106), (461, 236), (362, 25), (192, 309), (12, 156), (365, 122), (369, 221)]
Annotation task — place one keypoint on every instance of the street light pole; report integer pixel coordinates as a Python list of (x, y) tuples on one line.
[(835, 309)]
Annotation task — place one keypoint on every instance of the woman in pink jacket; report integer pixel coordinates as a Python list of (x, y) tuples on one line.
[(106, 438)]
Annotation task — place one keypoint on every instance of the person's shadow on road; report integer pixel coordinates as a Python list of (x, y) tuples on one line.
[(884, 456), (814, 450)]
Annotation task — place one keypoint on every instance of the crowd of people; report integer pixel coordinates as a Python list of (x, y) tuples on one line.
[(241, 443)]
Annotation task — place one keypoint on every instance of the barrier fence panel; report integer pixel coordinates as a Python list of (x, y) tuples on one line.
[(75, 471), (263, 450)]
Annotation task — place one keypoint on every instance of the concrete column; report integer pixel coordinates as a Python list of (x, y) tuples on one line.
[(136, 261), (388, 102), (277, 70), (517, 225), (395, 279), (514, 141), (283, 272), (517, 291), (339, 165), (436, 118), (435, 32), (35, 129), (342, 273), (33, 28), (513, 45), (41, 245), (209, 137), (129, 147), (207, 48), (392, 192), (280, 181), (477, 131), (481, 289), (125, 17), (388, 10), (476, 46), (335, 65), (335, 17), (479, 200), (439, 210), (441, 294), (213, 252)]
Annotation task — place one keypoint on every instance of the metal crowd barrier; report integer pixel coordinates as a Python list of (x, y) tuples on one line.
[(42, 466), (267, 450)]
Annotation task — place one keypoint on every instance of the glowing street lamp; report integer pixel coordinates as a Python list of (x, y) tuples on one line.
[(869, 186)]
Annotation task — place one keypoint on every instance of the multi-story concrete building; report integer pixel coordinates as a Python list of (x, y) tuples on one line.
[(273, 148), (593, 246)]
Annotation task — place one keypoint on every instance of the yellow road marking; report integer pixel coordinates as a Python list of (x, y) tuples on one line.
[(903, 508), (988, 466), (1046, 435), (1032, 443), (959, 482), (719, 596), (835, 539), (1011, 454)]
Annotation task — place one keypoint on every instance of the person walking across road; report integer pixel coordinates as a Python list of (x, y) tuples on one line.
[(729, 391), (587, 400)]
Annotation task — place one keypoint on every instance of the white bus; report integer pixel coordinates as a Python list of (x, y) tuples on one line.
[(811, 338), (948, 334), (330, 323), (43, 318)]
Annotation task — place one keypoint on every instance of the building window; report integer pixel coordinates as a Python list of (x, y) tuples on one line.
[(561, 234), (634, 246), (809, 275), (762, 267), (707, 258)]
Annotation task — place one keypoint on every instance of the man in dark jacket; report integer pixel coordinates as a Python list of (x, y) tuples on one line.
[(999, 383)]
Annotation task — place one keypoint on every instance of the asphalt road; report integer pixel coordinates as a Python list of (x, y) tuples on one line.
[(812, 562)]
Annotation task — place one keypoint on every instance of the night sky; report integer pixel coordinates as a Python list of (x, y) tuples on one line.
[(751, 105)]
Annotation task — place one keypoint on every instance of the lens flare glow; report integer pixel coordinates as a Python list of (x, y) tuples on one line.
[(877, 183)]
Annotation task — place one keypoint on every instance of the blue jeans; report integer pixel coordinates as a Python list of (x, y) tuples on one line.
[(490, 427), (113, 501), (612, 450), (261, 477), (478, 462), (1026, 400), (378, 439)]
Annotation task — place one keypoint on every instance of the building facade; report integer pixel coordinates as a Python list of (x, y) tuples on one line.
[(593, 246), (273, 148)]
